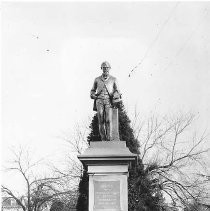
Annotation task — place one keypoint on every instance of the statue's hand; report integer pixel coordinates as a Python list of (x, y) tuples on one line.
[(116, 100), (93, 96), (116, 95)]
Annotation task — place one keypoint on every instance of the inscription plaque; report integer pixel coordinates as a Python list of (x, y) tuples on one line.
[(107, 195)]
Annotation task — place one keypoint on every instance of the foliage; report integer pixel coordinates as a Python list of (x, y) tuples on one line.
[(62, 204), (94, 130), (126, 132), (82, 203), (57, 206)]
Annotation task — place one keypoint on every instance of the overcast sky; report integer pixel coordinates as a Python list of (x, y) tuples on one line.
[(52, 52)]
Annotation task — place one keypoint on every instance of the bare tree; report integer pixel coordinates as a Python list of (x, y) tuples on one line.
[(172, 155), (39, 190), (77, 143), (76, 138), (169, 149)]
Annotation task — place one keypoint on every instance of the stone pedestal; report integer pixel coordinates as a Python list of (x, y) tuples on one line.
[(108, 169)]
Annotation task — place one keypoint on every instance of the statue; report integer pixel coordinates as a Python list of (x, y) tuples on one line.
[(106, 95)]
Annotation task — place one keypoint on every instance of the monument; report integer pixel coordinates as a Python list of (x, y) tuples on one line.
[(106, 95), (108, 161)]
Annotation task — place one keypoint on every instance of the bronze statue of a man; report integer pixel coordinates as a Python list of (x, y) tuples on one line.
[(106, 93)]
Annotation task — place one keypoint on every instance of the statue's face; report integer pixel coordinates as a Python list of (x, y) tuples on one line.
[(105, 71)]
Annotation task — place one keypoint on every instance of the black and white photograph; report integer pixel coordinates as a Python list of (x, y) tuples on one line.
[(105, 105)]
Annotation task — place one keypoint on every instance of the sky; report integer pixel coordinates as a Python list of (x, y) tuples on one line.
[(52, 51)]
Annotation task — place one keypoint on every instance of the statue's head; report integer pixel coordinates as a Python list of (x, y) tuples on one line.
[(105, 66)]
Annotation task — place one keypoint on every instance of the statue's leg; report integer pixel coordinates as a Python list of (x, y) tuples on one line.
[(108, 112), (101, 121)]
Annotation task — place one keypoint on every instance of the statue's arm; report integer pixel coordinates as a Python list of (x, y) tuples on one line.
[(93, 90)]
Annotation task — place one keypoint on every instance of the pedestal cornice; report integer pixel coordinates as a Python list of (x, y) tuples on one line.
[(112, 153)]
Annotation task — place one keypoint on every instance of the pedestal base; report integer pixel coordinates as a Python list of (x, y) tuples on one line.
[(108, 166)]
